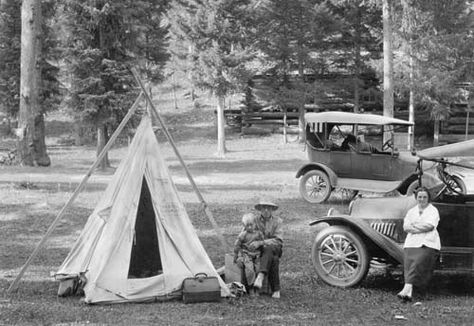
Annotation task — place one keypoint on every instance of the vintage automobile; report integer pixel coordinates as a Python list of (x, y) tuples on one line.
[(339, 159), (372, 232)]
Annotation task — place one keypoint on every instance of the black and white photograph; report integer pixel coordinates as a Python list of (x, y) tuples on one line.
[(236, 162)]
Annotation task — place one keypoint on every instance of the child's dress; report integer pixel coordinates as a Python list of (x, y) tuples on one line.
[(248, 257)]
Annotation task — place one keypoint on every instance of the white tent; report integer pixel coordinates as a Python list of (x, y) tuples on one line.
[(138, 244)]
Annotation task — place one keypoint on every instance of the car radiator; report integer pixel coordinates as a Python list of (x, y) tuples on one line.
[(387, 229)]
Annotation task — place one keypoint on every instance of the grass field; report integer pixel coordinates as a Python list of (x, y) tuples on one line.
[(254, 167)]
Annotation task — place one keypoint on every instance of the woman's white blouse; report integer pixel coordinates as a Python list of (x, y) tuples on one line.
[(429, 239)]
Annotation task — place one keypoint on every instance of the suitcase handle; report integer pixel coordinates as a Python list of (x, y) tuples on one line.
[(200, 276)]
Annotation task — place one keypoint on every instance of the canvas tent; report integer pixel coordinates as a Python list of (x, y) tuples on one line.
[(138, 244)]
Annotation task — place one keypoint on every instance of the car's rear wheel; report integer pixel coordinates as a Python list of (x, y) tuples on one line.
[(340, 257), (315, 186)]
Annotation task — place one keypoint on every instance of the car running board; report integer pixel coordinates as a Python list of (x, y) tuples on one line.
[(367, 185)]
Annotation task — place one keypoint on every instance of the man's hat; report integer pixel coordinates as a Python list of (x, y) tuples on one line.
[(268, 204)]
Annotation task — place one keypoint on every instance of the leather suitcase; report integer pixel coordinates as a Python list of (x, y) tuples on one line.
[(201, 288)]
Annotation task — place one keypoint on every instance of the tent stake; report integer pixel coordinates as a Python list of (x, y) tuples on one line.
[(156, 115), (79, 188)]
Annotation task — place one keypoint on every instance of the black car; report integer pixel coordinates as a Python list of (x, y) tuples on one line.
[(372, 232), (347, 151)]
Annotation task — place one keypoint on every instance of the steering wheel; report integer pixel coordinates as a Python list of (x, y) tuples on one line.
[(387, 145), (452, 183)]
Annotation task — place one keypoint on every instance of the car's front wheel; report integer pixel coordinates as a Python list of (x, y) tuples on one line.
[(340, 257), (315, 186)]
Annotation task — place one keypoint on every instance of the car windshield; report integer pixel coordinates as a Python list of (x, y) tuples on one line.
[(448, 159), (333, 136)]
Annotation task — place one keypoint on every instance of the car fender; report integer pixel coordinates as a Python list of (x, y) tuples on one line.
[(393, 249), (318, 166)]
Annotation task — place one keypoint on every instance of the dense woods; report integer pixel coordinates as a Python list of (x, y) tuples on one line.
[(75, 55)]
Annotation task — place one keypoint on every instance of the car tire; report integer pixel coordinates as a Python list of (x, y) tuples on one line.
[(315, 186), (340, 257)]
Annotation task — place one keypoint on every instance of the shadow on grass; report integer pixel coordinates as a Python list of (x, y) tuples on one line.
[(202, 168), (55, 187), (203, 188), (18, 254)]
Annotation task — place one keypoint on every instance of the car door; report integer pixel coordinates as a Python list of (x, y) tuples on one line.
[(341, 163), (380, 167), (372, 166), (456, 231)]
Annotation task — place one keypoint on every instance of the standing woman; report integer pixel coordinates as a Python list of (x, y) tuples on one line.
[(422, 243)]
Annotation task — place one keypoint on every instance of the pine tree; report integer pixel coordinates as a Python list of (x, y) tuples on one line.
[(47, 83), (31, 146), (95, 39), (291, 34), (10, 32), (437, 40), (101, 40), (146, 36), (360, 40), (213, 37)]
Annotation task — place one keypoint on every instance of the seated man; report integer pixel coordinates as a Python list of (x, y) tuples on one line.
[(271, 247), (349, 143), (352, 143), (366, 147)]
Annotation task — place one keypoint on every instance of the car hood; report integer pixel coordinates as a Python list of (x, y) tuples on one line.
[(381, 207)]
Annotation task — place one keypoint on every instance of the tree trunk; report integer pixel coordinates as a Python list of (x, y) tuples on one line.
[(410, 18), (41, 156), (3, 7), (387, 63), (301, 111), (436, 132), (357, 61), (175, 99), (102, 139), (78, 134), (31, 145), (411, 104), (220, 126)]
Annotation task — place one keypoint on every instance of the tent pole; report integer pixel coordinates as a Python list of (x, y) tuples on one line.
[(78, 190), (156, 115)]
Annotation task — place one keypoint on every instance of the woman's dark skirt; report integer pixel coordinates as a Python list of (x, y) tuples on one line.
[(419, 265)]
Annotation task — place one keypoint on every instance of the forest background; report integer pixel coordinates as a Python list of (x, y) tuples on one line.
[(75, 56)]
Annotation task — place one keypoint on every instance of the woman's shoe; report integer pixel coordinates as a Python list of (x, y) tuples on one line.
[(404, 298)]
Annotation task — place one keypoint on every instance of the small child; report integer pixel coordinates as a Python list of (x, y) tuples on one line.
[(244, 255)]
